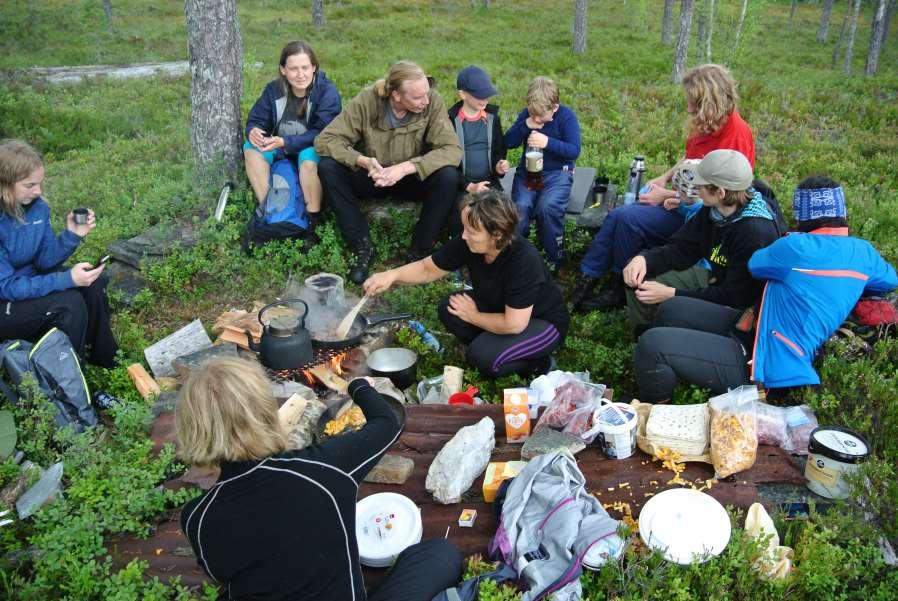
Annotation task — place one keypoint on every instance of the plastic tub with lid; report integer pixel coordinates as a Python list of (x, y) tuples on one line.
[(833, 453)]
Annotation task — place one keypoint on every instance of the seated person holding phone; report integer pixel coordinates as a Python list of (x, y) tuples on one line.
[(36, 293)]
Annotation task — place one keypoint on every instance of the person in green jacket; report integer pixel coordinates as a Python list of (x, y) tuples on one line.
[(394, 138)]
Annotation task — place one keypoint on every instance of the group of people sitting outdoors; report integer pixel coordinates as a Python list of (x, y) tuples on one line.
[(717, 292)]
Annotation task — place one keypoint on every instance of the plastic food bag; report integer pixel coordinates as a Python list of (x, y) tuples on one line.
[(772, 427), (800, 422), (734, 435), (572, 408), (774, 561)]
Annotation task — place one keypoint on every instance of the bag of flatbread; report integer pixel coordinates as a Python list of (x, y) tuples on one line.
[(734, 431), (680, 428)]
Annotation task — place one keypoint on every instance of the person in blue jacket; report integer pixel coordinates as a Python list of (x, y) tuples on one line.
[(813, 280), (284, 121), (553, 128), (36, 293)]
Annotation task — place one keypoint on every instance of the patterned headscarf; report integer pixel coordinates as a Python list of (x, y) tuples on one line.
[(809, 204)]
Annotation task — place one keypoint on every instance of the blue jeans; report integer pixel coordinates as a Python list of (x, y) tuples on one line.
[(547, 206), (627, 230)]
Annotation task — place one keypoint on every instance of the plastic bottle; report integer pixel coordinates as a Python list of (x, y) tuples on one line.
[(428, 338)]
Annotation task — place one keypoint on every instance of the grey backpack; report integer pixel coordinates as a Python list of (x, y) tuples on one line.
[(54, 364)]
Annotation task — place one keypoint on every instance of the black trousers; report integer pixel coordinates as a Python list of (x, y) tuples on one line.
[(690, 339), (496, 355), (82, 313), (343, 187), (421, 572)]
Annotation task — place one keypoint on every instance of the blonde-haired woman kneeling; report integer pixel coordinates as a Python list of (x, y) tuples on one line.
[(280, 524)]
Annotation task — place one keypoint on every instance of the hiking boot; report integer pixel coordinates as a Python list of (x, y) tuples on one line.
[(611, 297), (582, 290), (362, 257)]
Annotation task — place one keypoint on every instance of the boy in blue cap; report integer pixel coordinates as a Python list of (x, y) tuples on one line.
[(552, 127), (479, 131)]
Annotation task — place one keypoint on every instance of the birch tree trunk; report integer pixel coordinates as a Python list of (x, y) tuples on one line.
[(823, 30), (740, 24), (679, 66), (841, 39), (710, 30), (318, 14), (876, 37), (792, 12), (215, 56), (579, 44), (852, 30), (667, 23), (107, 10)]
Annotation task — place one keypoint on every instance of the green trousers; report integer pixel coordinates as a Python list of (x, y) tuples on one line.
[(641, 314)]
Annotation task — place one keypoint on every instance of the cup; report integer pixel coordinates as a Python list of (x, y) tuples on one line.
[(80, 216)]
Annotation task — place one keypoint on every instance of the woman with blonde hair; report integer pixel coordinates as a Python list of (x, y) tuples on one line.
[(713, 123), (514, 316), (393, 139), (280, 524), (36, 292)]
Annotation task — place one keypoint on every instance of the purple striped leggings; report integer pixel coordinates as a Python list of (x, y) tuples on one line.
[(500, 354)]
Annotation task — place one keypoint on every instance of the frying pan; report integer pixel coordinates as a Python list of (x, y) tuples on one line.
[(359, 327), (334, 409)]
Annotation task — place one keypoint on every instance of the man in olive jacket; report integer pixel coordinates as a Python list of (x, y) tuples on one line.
[(394, 138)]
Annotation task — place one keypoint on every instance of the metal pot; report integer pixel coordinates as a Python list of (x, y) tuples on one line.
[(398, 364), (359, 327)]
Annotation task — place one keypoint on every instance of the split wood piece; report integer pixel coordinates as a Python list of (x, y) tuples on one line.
[(329, 378), (143, 381), (238, 337), (291, 411), (346, 324)]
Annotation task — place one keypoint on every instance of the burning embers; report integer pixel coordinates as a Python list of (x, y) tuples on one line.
[(326, 370)]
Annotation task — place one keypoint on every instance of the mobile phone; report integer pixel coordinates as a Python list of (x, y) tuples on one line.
[(102, 261)]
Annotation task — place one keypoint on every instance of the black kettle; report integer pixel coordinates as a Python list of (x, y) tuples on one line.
[(285, 342)]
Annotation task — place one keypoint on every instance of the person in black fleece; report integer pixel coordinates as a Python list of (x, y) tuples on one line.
[(735, 222), (280, 524)]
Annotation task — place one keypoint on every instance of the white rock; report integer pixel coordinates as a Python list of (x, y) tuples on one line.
[(460, 461)]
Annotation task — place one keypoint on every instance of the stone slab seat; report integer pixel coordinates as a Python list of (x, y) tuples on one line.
[(580, 195), (427, 429)]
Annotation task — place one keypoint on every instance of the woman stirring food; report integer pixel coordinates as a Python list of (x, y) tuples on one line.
[(514, 317)]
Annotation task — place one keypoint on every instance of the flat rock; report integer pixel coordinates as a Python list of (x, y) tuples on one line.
[(546, 440), (152, 245), (125, 282), (187, 363), (391, 469)]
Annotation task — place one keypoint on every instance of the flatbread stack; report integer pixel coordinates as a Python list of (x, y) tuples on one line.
[(680, 428)]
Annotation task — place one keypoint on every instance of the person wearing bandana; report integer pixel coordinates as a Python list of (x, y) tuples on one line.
[(812, 279)]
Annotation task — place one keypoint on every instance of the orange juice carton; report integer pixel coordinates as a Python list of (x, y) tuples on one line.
[(496, 472), (517, 414)]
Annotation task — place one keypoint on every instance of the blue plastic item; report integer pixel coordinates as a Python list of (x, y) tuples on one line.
[(428, 338)]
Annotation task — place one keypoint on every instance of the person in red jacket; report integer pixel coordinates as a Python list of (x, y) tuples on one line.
[(714, 123)]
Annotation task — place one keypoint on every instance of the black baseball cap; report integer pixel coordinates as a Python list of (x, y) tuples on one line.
[(476, 82)]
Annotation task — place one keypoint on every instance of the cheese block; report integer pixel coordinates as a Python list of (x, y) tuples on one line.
[(496, 472)]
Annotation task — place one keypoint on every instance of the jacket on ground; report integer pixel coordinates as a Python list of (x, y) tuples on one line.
[(428, 140), (813, 282), (324, 104)]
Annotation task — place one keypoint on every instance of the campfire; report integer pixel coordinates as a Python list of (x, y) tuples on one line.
[(329, 370)]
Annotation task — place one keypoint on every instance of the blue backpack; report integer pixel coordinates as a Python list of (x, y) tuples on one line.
[(285, 201)]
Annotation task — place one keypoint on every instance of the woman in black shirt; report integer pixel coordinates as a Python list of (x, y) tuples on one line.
[(280, 524), (515, 315)]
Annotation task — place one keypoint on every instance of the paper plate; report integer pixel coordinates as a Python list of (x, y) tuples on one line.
[(385, 524), (685, 525)]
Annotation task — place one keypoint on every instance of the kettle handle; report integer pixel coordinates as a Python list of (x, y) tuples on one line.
[(302, 322)]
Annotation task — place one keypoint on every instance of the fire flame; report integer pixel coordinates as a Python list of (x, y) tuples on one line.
[(334, 364)]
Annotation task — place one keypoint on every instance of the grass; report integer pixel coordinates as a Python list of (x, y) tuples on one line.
[(123, 148)]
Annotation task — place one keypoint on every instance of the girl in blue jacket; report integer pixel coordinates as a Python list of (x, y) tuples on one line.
[(813, 278), (284, 121), (36, 293)]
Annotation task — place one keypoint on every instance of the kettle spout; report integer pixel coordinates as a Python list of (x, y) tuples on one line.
[(252, 343)]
